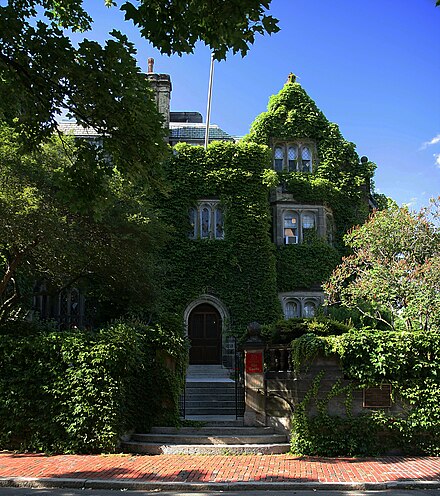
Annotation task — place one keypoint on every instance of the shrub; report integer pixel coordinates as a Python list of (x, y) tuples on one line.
[(78, 391)]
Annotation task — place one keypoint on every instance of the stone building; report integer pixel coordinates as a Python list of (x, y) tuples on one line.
[(255, 224)]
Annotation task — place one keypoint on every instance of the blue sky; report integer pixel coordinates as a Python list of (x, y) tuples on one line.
[(373, 67)]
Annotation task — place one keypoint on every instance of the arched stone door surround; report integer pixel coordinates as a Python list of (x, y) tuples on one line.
[(206, 319)]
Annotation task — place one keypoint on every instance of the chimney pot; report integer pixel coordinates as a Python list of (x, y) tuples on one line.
[(150, 65)]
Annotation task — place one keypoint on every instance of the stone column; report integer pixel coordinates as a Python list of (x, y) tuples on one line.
[(255, 397)]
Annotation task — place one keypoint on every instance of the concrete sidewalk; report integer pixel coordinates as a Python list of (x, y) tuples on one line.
[(191, 472)]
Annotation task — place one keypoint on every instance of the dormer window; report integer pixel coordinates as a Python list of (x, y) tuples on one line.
[(293, 157), (206, 220)]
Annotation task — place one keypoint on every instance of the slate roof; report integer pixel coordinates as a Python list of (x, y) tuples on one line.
[(196, 132), (179, 131), (70, 127)]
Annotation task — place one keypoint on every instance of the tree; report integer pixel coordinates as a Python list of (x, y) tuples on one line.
[(42, 73), (47, 233), (70, 210), (393, 274)]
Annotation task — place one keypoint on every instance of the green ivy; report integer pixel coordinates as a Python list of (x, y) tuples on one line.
[(241, 269), (409, 361), (79, 391)]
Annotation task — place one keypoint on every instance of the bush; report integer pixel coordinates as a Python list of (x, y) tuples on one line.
[(79, 391), (283, 331)]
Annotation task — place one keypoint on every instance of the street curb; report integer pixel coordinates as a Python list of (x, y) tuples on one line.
[(137, 485)]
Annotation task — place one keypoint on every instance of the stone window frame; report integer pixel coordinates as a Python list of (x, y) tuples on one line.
[(301, 299), (300, 146), (197, 220), (300, 213)]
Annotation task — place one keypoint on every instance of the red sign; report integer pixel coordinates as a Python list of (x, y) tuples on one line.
[(254, 363)]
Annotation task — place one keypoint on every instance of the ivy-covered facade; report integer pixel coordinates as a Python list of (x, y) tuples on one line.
[(256, 226)]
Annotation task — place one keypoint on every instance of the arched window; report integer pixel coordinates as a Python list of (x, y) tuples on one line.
[(205, 222), (278, 159), (219, 232), (193, 223), (292, 157), (306, 157), (291, 309), (290, 232), (308, 221), (309, 309)]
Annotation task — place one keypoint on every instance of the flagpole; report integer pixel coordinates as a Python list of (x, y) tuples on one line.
[(208, 107)]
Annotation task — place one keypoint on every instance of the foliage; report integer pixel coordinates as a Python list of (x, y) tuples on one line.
[(408, 360), (323, 434), (235, 174), (284, 330), (338, 181), (80, 391), (57, 224), (292, 114), (42, 72), (176, 26), (305, 265), (393, 274)]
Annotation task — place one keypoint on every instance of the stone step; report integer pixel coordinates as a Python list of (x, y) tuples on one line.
[(209, 411), (214, 403), (204, 449), (209, 439), (215, 428), (216, 399), (210, 385)]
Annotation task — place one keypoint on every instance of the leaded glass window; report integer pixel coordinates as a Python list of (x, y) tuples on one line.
[(205, 222), (308, 221), (290, 227), (219, 233), (292, 158), (306, 157), (309, 309), (279, 159), (291, 309)]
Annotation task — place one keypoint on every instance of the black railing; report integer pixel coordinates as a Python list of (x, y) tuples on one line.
[(182, 398), (278, 358), (239, 381)]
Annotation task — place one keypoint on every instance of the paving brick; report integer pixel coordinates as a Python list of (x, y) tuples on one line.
[(225, 469)]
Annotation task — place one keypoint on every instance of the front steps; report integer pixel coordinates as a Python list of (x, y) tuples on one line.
[(208, 440), (209, 391)]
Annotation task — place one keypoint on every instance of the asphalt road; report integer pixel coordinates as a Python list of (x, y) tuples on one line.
[(11, 491)]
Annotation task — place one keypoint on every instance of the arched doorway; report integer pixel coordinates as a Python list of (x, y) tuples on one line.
[(205, 335)]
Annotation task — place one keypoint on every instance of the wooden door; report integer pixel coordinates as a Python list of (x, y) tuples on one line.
[(205, 334)]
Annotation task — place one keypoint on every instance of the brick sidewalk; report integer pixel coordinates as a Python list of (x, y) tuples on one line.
[(216, 469)]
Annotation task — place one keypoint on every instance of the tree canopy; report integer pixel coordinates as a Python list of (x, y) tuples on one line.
[(393, 273), (48, 233), (70, 209), (42, 72)]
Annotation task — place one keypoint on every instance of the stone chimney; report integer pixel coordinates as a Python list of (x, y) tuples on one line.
[(161, 84)]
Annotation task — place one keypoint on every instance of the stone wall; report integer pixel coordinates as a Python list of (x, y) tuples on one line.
[(286, 388)]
